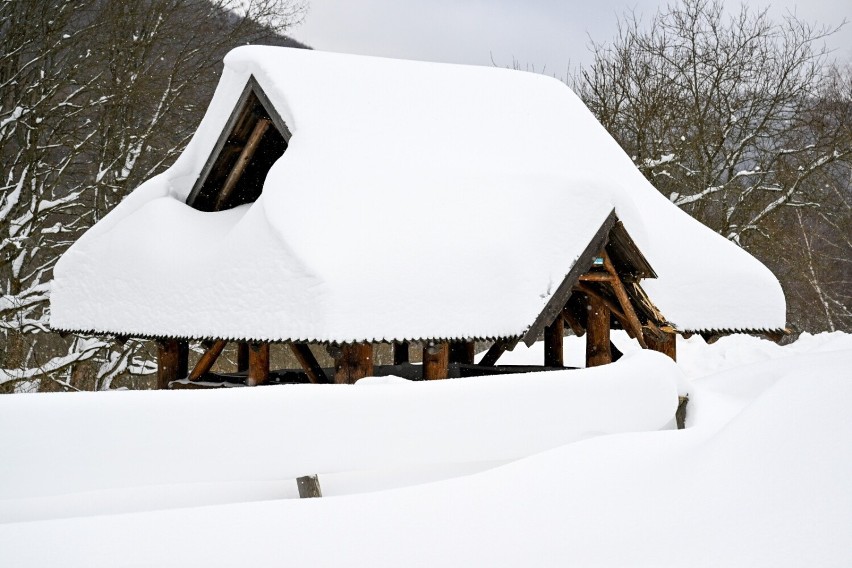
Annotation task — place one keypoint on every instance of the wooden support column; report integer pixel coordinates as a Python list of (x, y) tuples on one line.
[(206, 361), (183, 359), (597, 333), (168, 362), (258, 370), (354, 362), (553, 337), (400, 352), (462, 352), (242, 357), (662, 341), (309, 363), (436, 360)]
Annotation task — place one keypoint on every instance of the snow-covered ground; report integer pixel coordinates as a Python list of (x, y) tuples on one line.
[(551, 469)]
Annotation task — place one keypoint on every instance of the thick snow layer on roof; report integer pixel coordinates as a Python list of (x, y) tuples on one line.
[(415, 200)]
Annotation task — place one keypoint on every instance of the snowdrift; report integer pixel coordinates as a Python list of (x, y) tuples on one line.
[(126, 447)]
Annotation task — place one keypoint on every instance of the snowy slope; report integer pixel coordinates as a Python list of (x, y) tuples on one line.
[(400, 177), (759, 478)]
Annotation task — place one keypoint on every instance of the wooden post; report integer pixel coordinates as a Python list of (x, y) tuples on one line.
[(168, 362), (462, 352), (680, 413), (400, 352), (597, 333), (436, 360), (206, 361), (662, 341), (354, 362), (258, 370), (553, 337), (309, 363), (308, 486), (242, 357)]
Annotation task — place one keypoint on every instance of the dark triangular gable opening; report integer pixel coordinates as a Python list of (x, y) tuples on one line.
[(254, 137)]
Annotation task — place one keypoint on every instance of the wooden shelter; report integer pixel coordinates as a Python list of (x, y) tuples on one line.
[(306, 162)]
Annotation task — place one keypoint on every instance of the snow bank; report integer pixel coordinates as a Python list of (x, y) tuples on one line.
[(768, 487), (495, 180), (151, 443)]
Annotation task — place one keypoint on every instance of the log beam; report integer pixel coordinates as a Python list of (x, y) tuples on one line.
[(309, 363), (258, 371), (597, 333), (242, 162), (436, 360), (355, 361), (490, 359), (168, 362), (206, 361), (462, 352), (553, 343)]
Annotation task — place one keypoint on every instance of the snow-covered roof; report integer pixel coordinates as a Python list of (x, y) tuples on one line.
[(415, 200)]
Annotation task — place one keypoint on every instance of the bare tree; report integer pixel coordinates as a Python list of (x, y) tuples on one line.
[(736, 119), (95, 97)]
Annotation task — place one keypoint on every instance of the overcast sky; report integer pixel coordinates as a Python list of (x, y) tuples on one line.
[(543, 34)]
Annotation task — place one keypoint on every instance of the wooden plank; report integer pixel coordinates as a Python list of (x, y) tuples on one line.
[(242, 357), (553, 343), (400, 352), (632, 319), (168, 362), (309, 486), (563, 292), (206, 361), (355, 361), (258, 371), (436, 360), (309, 363), (597, 334), (245, 157), (462, 352)]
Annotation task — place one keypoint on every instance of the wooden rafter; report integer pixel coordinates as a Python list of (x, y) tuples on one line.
[(624, 300), (242, 162), (206, 361)]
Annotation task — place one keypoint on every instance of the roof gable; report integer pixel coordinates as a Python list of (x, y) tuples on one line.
[(254, 137)]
